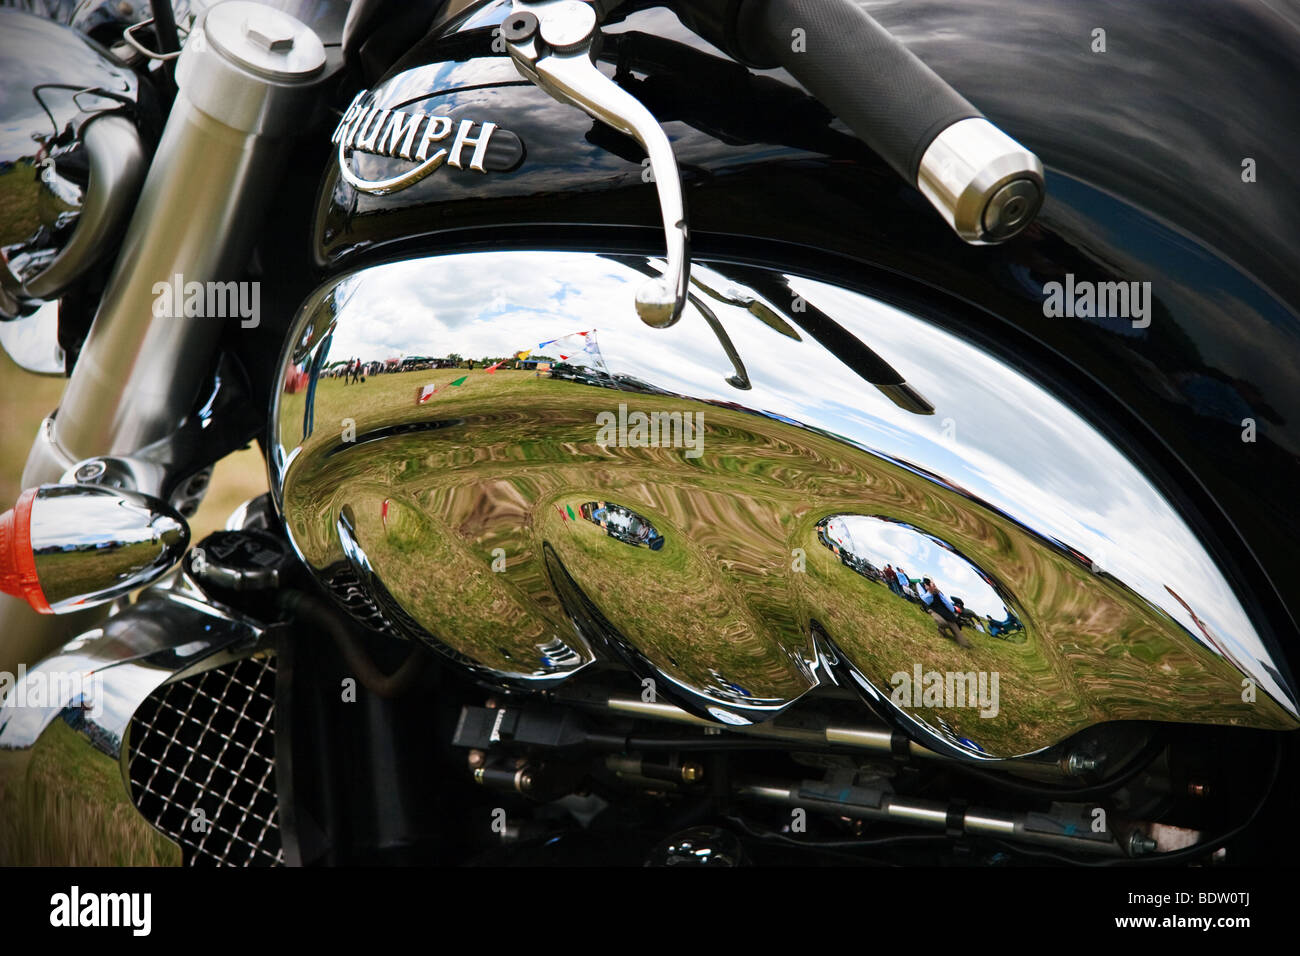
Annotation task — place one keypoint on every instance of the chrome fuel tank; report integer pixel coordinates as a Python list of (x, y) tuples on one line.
[(534, 482), (1141, 187)]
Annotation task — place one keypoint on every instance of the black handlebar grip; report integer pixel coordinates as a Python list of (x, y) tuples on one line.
[(985, 184)]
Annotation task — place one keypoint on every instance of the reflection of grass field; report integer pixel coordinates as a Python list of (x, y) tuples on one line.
[(62, 803), (68, 574), (20, 203), (502, 450), (673, 602)]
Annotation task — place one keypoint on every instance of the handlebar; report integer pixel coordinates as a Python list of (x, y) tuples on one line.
[(986, 185)]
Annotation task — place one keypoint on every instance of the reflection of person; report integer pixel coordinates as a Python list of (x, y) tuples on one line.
[(942, 612), (904, 585), (891, 578)]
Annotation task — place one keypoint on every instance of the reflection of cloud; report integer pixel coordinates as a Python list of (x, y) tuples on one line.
[(1015, 445)]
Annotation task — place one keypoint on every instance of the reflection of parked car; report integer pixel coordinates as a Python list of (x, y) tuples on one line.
[(1004, 629), (621, 523), (630, 384), (420, 363), (582, 375)]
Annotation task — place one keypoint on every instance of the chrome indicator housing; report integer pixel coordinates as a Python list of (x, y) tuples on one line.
[(533, 481)]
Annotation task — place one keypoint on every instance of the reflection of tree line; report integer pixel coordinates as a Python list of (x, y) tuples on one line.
[(913, 590), (349, 368), (70, 548), (621, 523)]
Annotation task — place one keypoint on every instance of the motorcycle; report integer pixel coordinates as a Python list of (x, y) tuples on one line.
[(636, 381)]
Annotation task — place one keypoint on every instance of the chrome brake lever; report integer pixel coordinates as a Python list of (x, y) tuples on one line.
[(553, 43)]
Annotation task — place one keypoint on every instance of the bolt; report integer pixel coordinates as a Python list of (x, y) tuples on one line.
[(692, 772), (478, 775), (525, 782), (1139, 844), (270, 34), (1196, 788), (90, 471), (476, 758), (1079, 763)]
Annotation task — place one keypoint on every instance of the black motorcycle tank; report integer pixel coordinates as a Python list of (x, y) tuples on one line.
[(1139, 134)]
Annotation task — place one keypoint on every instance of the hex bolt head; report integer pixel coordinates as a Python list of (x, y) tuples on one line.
[(519, 27), (270, 34), (1139, 844), (90, 471)]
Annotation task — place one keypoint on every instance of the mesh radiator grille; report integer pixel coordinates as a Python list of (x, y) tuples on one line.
[(202, 764)]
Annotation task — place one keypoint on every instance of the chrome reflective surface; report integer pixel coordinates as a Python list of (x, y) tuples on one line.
[(32, 341), (985, 184), (116, 161), (452, 497), (63, 789), (927, 569), (553, 45), (93, 544), (58, 81)]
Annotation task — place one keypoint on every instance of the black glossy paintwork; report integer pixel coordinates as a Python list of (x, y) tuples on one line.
[(1143, 146), (44, 65)]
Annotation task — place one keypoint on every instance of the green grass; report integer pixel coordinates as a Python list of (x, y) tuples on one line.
[(23, 201), (62, 803)]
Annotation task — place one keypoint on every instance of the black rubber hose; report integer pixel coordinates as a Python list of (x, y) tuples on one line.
[(1135, 766), (316, 613), (164, 26), (893, 102)]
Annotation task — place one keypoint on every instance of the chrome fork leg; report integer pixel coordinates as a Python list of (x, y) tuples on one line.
[(248, 76)]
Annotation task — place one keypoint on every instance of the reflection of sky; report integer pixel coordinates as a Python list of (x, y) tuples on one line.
[(114, 689), (1015, 445), (885, 542), (88, 519)]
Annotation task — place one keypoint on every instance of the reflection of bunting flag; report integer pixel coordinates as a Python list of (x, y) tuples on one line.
[(572, 516), (574, 340), (571, 345), (383, 513), (563, 517), (425, 392)]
